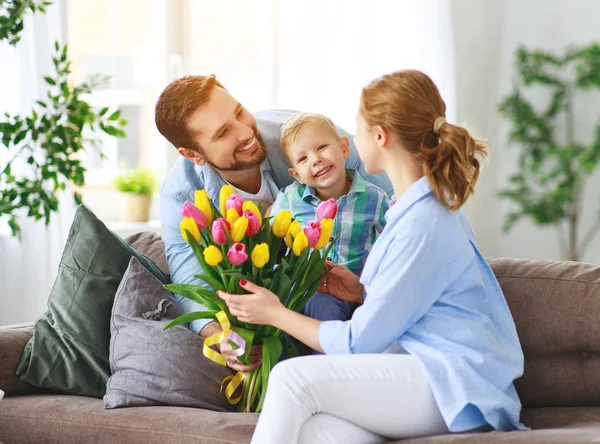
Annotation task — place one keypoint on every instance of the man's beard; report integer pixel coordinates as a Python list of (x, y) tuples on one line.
[(260, 156)]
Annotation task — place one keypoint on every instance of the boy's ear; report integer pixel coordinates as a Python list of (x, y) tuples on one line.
[(295, 175), (192, 155), (345, 145)]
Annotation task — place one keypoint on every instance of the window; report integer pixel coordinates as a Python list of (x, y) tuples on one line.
[(126, 40)]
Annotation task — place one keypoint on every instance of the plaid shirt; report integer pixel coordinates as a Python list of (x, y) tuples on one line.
[(360, 217)]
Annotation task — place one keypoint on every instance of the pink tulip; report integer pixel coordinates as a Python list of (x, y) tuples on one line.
[(313, 233), (190, 210), (235, 201), (219, 227), (237, 254), (327, 209), (253, 223)]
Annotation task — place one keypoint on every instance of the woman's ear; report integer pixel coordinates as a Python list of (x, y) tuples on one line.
[(345, 145), (382, 136), (192, 155)]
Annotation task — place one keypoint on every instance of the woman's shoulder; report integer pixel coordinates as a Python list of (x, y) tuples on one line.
[(430, 224)]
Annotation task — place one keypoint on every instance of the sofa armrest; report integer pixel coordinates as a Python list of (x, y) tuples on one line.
[(12, 340)]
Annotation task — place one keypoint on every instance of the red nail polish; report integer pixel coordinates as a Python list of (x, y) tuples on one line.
[(243, 282)]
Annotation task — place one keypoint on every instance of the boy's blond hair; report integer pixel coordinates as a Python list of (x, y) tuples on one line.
[(296, 122)]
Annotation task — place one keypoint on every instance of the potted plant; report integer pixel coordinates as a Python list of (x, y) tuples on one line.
[(136, 187), (555, 164)]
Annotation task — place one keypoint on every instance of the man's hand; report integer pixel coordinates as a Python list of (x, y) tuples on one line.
[(226, 350), (342, 283)]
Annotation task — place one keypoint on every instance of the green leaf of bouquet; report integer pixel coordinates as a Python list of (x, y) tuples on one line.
[(237, 274), (315, 267), (271, 354), (290, 348), (212, 296), (299, 265), (303, 296), (199, 253), (191, 317), (283, 288), (232, 287), (215, 284), (193, 292)]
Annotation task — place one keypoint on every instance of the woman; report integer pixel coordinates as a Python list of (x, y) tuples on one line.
[(429, 299)]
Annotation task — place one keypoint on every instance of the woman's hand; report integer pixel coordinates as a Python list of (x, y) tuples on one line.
[(261, 306), (342, 283)]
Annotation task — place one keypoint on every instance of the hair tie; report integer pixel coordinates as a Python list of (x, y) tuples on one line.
[(437, 124)]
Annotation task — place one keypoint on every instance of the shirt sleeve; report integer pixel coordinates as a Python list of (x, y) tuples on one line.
[(281, 203), (183, 264), (412, 275)]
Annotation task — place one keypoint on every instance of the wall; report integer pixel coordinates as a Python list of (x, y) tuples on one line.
[(486, 36)]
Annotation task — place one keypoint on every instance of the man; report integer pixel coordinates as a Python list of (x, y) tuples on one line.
[(220, 142)]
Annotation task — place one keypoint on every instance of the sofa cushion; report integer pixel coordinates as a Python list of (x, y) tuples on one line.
[(12, 341), (556, 306), (69, 349), (150, 366), (151, 245), (65, 419)]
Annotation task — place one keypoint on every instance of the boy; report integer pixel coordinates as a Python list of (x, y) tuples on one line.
[(316, 153)]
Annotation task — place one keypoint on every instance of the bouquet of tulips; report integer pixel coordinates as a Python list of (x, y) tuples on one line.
[(233, 243)]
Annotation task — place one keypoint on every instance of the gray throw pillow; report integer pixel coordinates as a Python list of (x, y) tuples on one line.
[(151, 366)]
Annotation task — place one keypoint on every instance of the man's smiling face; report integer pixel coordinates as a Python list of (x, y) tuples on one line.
[(225, 134)]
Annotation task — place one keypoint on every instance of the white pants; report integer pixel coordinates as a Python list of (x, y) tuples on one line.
[(348, 399)]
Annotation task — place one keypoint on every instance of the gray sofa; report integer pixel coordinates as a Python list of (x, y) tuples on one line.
[(556, 306)]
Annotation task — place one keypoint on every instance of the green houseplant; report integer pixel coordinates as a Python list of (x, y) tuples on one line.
[(136, 187), (43, 150), (554, 165)]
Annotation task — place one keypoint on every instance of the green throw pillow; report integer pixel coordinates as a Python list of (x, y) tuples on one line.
[(69, 349)]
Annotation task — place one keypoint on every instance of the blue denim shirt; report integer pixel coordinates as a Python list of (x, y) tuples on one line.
[(429, 290), (185, 178)]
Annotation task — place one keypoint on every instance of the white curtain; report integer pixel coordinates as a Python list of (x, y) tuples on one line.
[(316, 55), (29, 266)]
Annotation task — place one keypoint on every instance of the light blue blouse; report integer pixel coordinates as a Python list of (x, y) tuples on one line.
[(428, 288)]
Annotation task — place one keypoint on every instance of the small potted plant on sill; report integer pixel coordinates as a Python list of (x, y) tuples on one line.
[(136, 187)]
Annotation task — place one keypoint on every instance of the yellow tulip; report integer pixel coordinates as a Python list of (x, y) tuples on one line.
[(202, 201), (282, 223), (232, 216), (300, 243), (326, 232), (260, 255), (249, 205), (212, 255), (292, 232), (226, 191), (188, 223), (238, 229)]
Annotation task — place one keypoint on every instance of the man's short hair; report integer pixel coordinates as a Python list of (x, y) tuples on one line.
[(298, 121), (180, 99)]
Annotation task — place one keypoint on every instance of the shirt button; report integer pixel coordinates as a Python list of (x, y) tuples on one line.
[(330, 239), (329, 259)]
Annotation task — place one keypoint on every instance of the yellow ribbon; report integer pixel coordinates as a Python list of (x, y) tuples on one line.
[(234, 383), (216, 338), (238, 378)]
